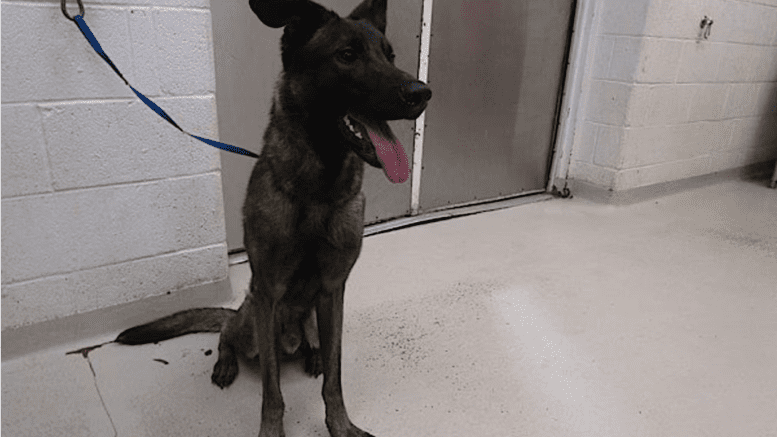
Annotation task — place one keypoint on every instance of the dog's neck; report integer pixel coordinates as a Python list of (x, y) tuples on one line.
[(313, 165)]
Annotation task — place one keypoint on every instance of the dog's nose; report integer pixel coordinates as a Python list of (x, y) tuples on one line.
[(416, 93)]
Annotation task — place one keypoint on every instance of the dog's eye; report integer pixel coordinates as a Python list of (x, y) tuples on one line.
[(347, 56)]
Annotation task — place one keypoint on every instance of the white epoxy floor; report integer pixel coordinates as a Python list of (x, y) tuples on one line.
[(559, 318)]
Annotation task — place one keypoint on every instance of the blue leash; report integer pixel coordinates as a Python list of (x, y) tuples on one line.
[(79, 20)]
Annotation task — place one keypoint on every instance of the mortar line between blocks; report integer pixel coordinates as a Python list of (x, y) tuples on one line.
[(46, 150), (110, 6), (116, 185), (126, 261)]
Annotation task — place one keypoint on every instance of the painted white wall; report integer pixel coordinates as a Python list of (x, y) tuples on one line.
[(103, 202), (660, 104)]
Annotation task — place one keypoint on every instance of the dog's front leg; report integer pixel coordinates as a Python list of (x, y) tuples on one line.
[(329, 308), (272, 399)]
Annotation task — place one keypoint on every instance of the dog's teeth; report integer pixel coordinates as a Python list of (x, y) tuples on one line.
[(358, 135), (347, 121)]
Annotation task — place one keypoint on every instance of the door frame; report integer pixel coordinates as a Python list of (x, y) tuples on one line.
[(574, 96), (575, 90), (579, 60)]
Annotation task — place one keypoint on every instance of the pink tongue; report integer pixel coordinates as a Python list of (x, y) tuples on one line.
[(392, 156)]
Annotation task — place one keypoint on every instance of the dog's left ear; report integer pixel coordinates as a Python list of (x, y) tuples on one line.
[(277, 13), (373, 11)]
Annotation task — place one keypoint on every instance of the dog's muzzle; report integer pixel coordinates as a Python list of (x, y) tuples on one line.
[(415, 94)]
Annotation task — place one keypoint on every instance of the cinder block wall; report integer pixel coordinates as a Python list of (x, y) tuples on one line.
[(103, 202), (665, 105)]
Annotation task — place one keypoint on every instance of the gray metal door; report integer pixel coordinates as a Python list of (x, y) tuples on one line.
[(495, 70)]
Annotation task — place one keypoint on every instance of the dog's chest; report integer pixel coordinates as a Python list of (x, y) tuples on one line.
[(338, 227)]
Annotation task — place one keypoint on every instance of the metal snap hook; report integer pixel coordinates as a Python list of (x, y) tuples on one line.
[(706, 26), (80, 10)]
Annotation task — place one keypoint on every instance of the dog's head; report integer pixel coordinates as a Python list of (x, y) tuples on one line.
[(348, 65)]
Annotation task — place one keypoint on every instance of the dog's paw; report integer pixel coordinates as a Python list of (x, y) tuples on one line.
[(348, 429), (314, 365), (354, 432), (266, 432), (224, 372)]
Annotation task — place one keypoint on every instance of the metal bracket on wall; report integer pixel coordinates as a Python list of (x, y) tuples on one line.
[(706, 27)]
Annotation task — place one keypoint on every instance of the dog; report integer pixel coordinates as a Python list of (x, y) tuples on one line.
[(304, 208)]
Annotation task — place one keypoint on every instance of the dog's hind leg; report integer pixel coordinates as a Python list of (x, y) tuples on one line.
[(226, 367), (237, 336)]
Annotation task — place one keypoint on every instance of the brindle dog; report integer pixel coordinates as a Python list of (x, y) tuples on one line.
[(304, 209)]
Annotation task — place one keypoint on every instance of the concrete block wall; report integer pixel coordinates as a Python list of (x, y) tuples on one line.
[(103, 202), (664, 104)]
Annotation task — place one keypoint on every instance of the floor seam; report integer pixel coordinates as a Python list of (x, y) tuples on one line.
[(102, 401), (84, 352)]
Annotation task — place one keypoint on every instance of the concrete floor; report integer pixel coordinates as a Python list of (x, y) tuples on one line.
[(560, 318)]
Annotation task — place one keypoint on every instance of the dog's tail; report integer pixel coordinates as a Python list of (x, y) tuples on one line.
[(181, 323)]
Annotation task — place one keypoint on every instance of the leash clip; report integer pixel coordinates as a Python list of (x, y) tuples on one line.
[(64, 10)]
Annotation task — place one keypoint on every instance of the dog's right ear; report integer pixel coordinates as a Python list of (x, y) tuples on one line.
[(300, 20), (373, 11), (277, 13)]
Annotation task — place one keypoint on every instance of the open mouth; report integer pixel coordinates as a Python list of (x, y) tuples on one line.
[(354, 131), (374, 139)]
